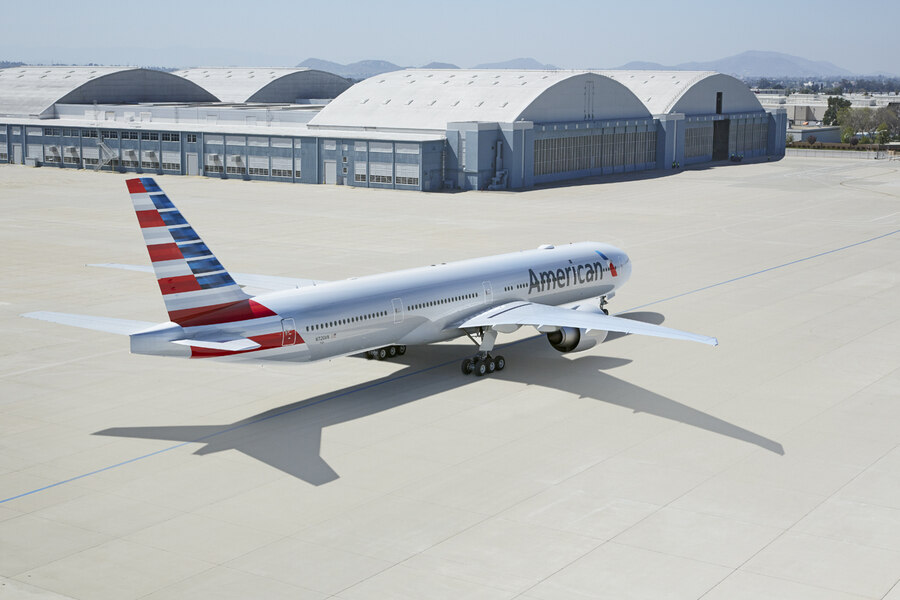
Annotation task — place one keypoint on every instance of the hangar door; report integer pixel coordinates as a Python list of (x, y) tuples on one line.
[(720, 139)]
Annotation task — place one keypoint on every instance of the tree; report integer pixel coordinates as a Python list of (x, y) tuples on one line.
[(889, 117), (857, 119), (882, 136), (854, 141), (789, 139), (811, 139), (835, 103)]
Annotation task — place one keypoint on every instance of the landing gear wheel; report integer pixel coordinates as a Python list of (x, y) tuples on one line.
[(381, 353), (500, 363), (481, 367), (401, 350), (467, 366), (491, 365), (392, 351)]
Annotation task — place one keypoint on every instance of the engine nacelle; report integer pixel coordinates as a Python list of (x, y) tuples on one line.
[(571, 339)]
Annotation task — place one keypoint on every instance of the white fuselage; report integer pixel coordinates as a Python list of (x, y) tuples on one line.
[(415, 306)]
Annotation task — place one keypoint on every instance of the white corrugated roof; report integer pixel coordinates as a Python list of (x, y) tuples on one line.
[(32, 90), (662, 92), (658, 90), (241, 84), (431, 98)]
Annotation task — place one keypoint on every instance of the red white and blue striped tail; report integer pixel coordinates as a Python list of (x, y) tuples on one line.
[(195, 286)]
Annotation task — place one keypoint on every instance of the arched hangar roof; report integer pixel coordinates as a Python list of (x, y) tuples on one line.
[(431, 98), (266, 84), (34, 90), (687, 92)]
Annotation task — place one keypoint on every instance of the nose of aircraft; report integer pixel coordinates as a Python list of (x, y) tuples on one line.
[(622, 263)]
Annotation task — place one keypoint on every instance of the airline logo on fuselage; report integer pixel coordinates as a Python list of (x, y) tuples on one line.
[(569, 275)]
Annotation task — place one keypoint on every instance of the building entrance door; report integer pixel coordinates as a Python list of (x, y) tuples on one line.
[(720, 139), (330, 172)]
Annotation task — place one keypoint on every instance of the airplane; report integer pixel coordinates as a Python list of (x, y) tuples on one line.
[(562, 291)]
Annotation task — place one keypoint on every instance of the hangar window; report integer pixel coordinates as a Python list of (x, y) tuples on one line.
[(106, 135), (407, 174), (359, 172), (381, 172), (150, 135), (149, 160), (234, 164), (170, 137), (191, 138), (213, 164)]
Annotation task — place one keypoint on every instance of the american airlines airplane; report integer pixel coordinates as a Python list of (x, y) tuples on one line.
[(561, 291)]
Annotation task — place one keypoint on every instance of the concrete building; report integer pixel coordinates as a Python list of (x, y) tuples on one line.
[(420, 129), (809, 109)]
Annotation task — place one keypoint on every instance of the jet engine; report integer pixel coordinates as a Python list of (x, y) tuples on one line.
[(571, 339)]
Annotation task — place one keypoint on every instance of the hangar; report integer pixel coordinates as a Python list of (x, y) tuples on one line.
[(35, 91), (418, 129), (241, 85)]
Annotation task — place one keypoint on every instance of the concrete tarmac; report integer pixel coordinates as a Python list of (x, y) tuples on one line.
[(768, 467)]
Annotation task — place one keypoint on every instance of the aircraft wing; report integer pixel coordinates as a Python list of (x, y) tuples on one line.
[(528, 313), (107, 324), (265, 283)]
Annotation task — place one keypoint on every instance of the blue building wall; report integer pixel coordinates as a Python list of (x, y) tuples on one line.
[(473, 155)]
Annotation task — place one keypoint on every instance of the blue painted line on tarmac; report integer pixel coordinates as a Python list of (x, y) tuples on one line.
[(419, 372), (760, 272)]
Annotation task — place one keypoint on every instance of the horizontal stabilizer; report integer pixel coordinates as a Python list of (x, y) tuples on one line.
[(107, 324), (542, 315), (239, 345), (267, 283)]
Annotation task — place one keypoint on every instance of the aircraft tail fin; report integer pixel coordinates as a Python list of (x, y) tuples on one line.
[(196, 288)]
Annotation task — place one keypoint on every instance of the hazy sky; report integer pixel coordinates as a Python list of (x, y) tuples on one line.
[(569, 34)]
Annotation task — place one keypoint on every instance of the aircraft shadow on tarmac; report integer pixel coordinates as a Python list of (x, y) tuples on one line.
[(288, 437)]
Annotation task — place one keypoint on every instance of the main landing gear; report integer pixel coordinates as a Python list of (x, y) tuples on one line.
[(483, 363), (386, 352)]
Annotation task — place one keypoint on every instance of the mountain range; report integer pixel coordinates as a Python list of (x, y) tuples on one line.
[(369, 68), (753, 63)]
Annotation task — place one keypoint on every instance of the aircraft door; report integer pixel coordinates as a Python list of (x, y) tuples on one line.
[(290, 332), (488, 292), (398, 310)]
